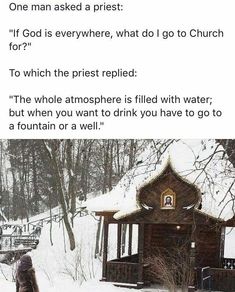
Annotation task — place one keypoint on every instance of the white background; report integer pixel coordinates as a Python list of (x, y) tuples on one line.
[(186, 67)]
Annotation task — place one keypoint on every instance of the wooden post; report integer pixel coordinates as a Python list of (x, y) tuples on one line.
[(191, 287), (140, 282), (222, 241), (105, 250), (119, 233), (130, 240)]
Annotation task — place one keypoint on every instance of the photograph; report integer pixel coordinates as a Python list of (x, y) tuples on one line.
[(117, 148), (112, 215)]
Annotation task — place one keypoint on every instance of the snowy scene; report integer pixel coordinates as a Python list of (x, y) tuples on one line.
[(116, 215)]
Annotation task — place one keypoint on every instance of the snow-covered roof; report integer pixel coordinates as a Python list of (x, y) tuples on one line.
[(201, 162)]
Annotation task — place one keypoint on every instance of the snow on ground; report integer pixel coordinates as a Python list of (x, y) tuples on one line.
[(58, 263), (57, 267), (62, 286), (7, 286)]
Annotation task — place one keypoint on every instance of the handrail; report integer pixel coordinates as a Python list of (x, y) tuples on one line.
[(11, 242), (47, 219), (203, 279)]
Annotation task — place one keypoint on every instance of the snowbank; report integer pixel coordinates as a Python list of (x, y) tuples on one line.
[(57, 267)]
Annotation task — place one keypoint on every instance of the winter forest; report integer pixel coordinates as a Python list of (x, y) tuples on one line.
[(40, 177)]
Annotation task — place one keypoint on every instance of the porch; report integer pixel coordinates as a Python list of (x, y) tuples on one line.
[(132, 270)]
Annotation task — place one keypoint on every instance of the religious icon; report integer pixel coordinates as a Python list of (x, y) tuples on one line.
[(168, 199)]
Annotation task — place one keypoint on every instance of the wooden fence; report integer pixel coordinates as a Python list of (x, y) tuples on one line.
[(222, 280), (119, 272), (217, 279), (228, 263), (14, 242), (32, 225)]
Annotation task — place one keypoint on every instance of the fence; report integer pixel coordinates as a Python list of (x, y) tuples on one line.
[(228, 263), (14, 242)]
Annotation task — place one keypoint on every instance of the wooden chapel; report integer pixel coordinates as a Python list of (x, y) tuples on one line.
[(168, 220)]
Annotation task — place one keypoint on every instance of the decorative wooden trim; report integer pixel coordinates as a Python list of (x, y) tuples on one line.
[(168, 166)]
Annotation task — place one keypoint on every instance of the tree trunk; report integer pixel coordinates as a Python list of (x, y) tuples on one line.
[(52, 157), (71, 191)]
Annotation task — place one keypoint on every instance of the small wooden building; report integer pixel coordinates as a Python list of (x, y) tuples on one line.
[(170, 227)]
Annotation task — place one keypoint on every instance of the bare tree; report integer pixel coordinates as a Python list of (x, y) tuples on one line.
[(171, 268), (53, 150)]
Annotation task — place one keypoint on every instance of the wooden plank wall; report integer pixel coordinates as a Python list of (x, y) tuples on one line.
[(160, 237), (207, 247)]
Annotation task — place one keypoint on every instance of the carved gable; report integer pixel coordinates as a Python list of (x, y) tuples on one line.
[(170, 198)]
